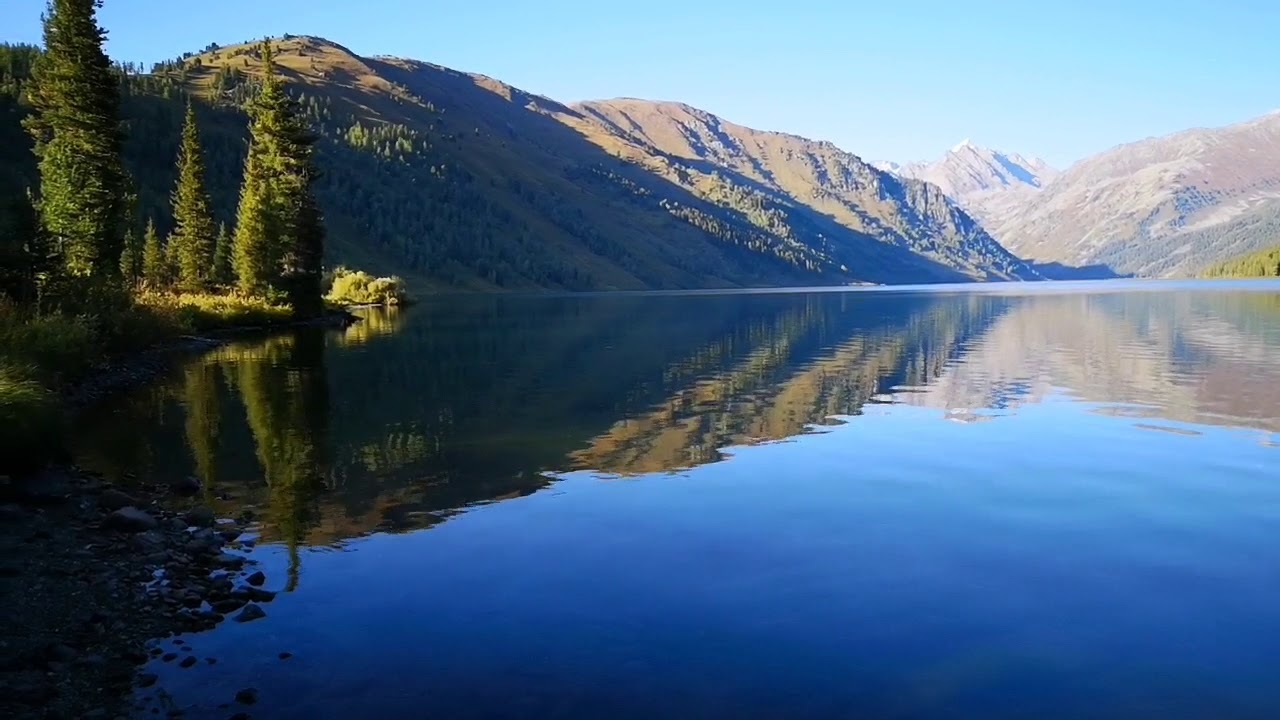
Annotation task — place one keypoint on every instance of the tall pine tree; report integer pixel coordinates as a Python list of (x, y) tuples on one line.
[(76, 126), (279, 240), (192, 241)]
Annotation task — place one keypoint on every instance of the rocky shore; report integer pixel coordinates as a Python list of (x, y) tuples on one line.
[(94, 577)]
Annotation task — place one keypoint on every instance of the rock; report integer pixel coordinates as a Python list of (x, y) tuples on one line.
[(249, 592), (230, 560), (228, 605), (147, 679), (48, 488), (113, 499), (247, 696), (256, 578), (170, 657), (10, 513), (201, 516), (187, 661), (61, 653), (129, 519), (285, 655), (185, 486), (250, 613), (176, 524)]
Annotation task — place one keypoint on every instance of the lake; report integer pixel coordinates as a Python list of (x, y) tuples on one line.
[(1034, 500)]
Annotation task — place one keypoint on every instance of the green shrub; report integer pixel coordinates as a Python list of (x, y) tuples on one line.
[(30, 421), (56, 347), (356, 287)]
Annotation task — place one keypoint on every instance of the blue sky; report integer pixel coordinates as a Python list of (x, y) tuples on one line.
[(885, 80)]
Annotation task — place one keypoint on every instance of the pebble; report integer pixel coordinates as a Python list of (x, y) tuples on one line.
[(286, 655), (256, 578), (169, 657), (247, 696), (187, 661)]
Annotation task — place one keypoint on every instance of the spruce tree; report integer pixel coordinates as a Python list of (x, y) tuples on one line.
[(76, 126), (259, 218), (131, 260), (192, 241), (279, 239), (25, 257), (155, 265), (223, 272), (303, 261)]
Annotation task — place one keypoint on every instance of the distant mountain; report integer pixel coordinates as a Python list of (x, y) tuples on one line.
[(987, 183), (822, 195), (1158, 207)]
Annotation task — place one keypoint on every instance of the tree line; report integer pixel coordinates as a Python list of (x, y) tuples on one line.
[(69, 238)]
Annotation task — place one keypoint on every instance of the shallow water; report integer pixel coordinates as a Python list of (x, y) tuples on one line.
[(1055, 500)]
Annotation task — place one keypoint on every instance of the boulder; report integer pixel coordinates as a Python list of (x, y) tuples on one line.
[(201, 516), (129, 519), (113, 499), (250, 613)]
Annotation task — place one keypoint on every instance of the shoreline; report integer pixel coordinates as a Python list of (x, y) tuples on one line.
[(94, 575), (135, 368)]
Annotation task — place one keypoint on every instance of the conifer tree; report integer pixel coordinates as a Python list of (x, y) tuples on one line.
[(155, 265), (131, 260), (76, 126), (223, 272), (24, 249), (279, 238), (192, 241), (259, 218)]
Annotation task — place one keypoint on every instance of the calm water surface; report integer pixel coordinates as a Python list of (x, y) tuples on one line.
[(1051, 501)]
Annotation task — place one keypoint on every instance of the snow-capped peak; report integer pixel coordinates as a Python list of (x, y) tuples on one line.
[(965, 143)]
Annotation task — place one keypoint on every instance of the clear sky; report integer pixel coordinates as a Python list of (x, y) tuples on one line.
[(885, 80)]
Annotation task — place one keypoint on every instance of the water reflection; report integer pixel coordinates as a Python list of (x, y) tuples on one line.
[(404, 418)]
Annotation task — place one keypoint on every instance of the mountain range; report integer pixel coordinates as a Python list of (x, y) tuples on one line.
[(1160, 207), (458, 181)]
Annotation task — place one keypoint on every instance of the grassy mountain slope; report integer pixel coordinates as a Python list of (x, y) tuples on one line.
[(1159, 207), (460, 181)]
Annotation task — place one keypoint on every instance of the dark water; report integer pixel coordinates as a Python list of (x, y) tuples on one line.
[(870, 504)]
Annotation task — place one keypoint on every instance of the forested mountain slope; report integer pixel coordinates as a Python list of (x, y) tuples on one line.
[(460, 181), (1264, 263)]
